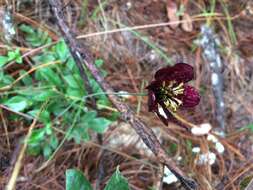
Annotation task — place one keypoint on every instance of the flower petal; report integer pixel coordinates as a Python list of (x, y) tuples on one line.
[(152, 103), (190, 97), (154, 85), (181, 72), (163, 114), (169, 117)]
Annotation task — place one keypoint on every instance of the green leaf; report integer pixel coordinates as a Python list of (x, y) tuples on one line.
[(5, 79), (35, 37), (189, 144), (99, 62), (172, 149), (62, 50), (117, 182), (102, 99), (88, 116), (27, 80), (114, 116), (71, 65), (57, 106), (48, 128), (85, 136), (44, 116), (15, 55), (45, 57), (47, 151), (73, 81), (99, 124), (75, 92), (53, 141), (75, 180), (49, 75), (80, 131), (79, 134), (76, 134), (3, 60), (17, 103), (34, 149), (244, 183), (11, 55), (44, 37), (41, 96), (250, 127), (36, 136), (18, 57), (27, 29)]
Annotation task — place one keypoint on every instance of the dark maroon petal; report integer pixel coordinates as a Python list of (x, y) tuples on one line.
[(154, 85), (152, 103), (181, 72), (190, 97)]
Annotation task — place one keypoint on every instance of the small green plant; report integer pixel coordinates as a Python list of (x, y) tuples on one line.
[(35, 37), (12, 55), (117, 181), (75, 180), (55, 79), (249, 126)]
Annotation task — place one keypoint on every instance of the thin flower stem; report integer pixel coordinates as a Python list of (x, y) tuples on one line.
[(177, 116), (182, 120), (117, 93)]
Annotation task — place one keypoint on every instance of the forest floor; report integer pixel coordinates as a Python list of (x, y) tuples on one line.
[(133, 39)]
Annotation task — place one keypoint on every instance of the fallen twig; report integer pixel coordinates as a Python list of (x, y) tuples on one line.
[(83, 57)]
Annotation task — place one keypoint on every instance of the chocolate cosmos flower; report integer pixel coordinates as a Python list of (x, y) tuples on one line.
[(169, 91)]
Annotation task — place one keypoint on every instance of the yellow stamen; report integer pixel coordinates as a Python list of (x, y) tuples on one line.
[(178, 89), (179, 102), (173, 103), (179, 86), (168, 94)]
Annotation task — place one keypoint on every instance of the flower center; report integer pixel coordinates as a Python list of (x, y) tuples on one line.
[(168, 94)]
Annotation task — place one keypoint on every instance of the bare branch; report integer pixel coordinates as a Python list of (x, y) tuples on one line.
[(83, 57)]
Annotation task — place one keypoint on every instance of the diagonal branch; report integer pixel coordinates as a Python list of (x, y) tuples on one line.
[(83, 57)]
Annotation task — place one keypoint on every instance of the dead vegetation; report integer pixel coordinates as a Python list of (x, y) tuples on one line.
[(132, 55)]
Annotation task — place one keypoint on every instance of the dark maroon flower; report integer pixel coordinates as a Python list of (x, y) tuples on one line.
[(169, 91)]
